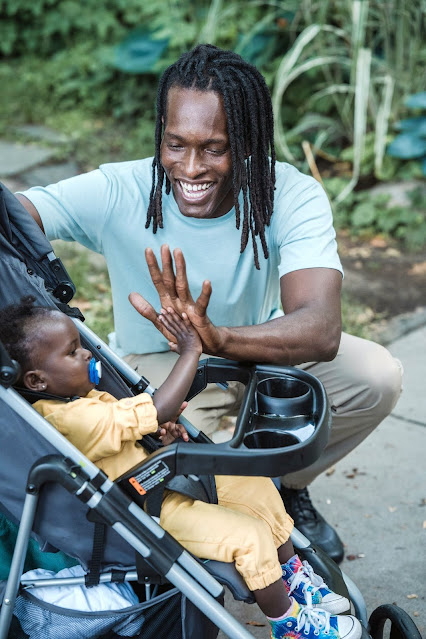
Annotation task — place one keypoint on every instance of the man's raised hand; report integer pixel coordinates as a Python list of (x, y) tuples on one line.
[(173, 291)]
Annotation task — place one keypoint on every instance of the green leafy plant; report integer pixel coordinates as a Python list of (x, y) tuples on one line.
[(365, 215), (360, 59), (410, 143)]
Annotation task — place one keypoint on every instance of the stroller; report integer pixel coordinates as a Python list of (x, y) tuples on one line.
[(65, 502)]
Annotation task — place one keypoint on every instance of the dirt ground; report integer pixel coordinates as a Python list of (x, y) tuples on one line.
[(385, 277)]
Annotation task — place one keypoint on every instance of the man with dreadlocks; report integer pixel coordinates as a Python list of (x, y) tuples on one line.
[(257, 229)]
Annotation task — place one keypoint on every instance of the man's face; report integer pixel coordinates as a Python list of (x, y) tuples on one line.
[(63, 363), (195, 153)]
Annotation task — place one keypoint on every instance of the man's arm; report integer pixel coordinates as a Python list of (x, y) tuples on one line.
[(30, 208), (309, 331)]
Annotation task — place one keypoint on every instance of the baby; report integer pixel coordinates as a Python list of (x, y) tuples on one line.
[(248, 526)]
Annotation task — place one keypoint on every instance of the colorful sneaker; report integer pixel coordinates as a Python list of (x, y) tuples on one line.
[(305, 622), (300, 579)]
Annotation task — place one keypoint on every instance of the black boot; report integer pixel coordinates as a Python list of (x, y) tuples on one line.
[(310, 523)]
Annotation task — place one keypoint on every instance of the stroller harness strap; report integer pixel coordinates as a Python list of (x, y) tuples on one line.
[(202, 488)]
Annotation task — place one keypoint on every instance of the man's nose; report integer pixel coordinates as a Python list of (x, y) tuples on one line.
[(87, 354), (194, 165)]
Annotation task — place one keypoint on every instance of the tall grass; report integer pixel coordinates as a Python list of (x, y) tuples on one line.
[(367, 56)]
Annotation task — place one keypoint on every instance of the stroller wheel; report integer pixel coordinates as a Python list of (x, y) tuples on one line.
[(401, 624)]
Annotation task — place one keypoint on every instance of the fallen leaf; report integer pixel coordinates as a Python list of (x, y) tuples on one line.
[(415, 613), (378, 242), (355, 472), (255, 623), (361, 555), (424, 524), (351, 557), (328, 501), (418, 269), (422, 502), (413, 596), (330, 471), (392, 509)]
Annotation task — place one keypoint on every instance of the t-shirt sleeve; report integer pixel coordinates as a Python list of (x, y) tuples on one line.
[(303, 227), (100, 428), (75, 209)]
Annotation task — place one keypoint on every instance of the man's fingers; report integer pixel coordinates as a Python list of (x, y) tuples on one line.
[(203, 299), (143, 307), (182, 286), (148, 311), (154, 271), (169, 279)]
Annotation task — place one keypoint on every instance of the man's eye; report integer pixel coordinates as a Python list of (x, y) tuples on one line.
[(216, 151), (174, 147)]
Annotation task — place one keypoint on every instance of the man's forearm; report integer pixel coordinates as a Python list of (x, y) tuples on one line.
[(294, 339)]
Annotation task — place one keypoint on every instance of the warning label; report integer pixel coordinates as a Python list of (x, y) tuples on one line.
[(147, 479)]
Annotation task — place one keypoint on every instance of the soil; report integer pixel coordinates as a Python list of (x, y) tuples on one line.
[(383, 276)]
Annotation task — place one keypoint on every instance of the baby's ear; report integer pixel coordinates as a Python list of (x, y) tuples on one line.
[(34, 380)]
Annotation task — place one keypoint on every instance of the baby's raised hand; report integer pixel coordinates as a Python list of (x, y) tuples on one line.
[(187, 338)]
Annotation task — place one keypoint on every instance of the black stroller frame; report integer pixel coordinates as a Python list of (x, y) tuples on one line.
[(262, 444)]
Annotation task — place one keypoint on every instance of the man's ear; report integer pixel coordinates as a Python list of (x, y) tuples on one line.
[(34, 380)]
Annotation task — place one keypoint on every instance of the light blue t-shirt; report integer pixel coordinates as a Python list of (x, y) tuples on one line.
[(105, 210)]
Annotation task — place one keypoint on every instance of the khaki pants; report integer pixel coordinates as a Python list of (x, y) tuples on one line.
[(363, 384), (247, 526)]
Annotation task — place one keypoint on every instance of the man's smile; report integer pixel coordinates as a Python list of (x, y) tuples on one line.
[(194, 191)]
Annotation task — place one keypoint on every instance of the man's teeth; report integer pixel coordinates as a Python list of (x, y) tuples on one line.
[(192, 188)]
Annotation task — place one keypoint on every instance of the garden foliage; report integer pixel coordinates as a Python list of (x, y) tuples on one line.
[(339, 71)]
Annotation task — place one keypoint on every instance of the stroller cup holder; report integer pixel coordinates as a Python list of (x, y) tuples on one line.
[(283, 423), (283, 397), (283, 414)]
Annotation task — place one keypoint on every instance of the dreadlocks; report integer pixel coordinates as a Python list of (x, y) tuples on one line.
[(248, 109)]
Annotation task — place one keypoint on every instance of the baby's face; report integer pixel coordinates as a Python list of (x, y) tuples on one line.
[(61, 358)]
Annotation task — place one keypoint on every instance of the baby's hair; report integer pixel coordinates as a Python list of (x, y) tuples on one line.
[(18, 324)]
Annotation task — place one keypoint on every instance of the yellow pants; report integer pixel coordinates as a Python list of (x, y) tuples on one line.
[(246, 527)]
